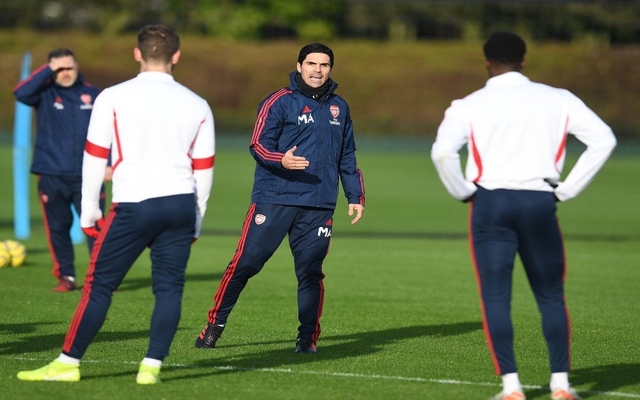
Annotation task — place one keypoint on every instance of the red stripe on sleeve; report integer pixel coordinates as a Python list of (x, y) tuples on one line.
[(96, 151), (563, 145), (264, 111), (476, 157), (203, 163), (258, 128), (117, 139), (266, 154), (361, 185), (21, 83)]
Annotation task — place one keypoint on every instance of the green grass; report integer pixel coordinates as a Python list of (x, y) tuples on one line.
[(401, 316)]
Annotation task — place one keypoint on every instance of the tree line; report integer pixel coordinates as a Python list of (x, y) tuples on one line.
[(612, 21)]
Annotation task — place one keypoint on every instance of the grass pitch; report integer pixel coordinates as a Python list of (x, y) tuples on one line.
[(401, 316)]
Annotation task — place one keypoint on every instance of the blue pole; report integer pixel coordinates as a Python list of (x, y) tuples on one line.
[(77, 236), (21, 151)]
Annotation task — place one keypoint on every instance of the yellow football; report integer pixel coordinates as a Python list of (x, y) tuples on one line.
[(17, 252)]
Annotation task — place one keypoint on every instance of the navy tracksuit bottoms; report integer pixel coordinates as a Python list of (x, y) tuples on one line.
[(264, 228), (57, 195), (166, 225), (509, 222)]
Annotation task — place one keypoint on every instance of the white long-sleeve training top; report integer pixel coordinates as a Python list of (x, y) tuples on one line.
[(515, 131), (162, 141)]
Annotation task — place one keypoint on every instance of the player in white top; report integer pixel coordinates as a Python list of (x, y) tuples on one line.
[(515, 131), (162, 143)]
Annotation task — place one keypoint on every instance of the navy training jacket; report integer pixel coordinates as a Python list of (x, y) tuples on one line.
[(323, 132), (62, 120)]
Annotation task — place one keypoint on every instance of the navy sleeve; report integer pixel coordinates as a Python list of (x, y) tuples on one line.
[(28, 91), (350, 174), (266, 131)]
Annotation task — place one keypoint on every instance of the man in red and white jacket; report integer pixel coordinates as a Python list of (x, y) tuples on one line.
[(161, 137), (516, 131)]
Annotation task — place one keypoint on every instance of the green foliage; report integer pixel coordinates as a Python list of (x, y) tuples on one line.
[(401, 315), (231, 22), (614, 21), (315, 31)]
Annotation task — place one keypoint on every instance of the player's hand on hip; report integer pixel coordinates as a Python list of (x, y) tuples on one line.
[(358, 209), (292, 162)]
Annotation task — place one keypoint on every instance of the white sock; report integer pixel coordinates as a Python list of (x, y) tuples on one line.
[(68, 360), (511, 383), (559, 380), (152, 362)]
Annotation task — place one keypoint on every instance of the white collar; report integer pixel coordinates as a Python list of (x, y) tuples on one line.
[(511, 78)]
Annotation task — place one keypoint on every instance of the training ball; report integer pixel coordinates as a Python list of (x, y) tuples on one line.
[(17, 252)]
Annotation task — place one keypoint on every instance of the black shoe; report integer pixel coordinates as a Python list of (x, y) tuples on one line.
[(209, 336), (306, 345)]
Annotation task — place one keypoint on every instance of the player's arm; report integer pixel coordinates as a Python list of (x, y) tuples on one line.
[(599, 140), (28, 90), (93, 166), (350, 175), (453, 134), (267, 130), (94, 162), (203, 162)]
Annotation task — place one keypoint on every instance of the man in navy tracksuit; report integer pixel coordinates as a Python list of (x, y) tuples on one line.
[(303, 145), (63, 103)]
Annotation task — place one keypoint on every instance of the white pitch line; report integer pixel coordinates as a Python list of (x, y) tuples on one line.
[(346, 375)]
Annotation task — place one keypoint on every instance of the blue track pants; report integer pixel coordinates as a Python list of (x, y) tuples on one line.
[(506, 223), (57, 195), (265, 227), (166, 225)]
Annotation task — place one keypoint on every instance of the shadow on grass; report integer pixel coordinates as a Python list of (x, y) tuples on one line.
[(594, 381), (130, 284), (606, 378), (12, 329), (44, 343), (333, 347)]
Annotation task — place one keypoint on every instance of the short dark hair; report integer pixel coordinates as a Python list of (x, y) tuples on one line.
[(505, 48), (158, 42), (315, 48), (62, 52)]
